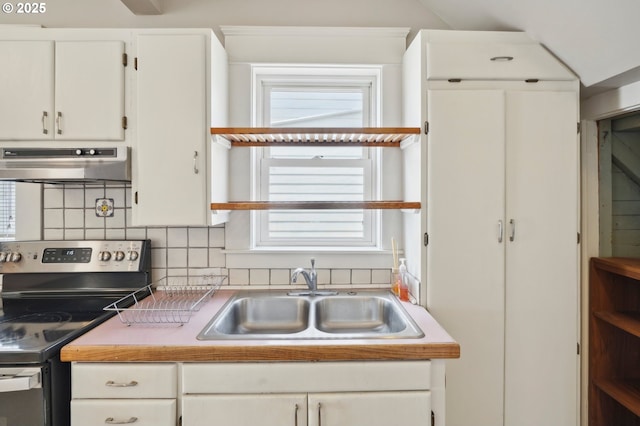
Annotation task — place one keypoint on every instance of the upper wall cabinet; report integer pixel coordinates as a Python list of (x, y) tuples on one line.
[(64, 90), (181, 90)]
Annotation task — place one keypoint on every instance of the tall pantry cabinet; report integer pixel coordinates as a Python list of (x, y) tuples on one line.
[(500, 246)]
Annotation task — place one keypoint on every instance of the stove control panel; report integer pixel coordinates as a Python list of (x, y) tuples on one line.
[(74, 256)]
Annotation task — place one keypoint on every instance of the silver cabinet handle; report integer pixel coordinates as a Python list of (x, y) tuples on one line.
[(112, 421), (113, 384), (501, 58), (295, 416), (195, 162), (319, 414), (500, 231), (59, 122), (45, 131), (512, 235)]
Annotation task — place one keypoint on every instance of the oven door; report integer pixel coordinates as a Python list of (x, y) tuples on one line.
[(22, 396)]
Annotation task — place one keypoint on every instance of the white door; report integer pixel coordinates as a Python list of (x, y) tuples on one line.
[(26, 85), (370, 409), (465, 255), (169, 172), (542, 260), (244, 410), (89, 90)]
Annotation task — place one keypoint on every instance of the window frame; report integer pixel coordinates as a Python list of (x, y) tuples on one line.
[(365, 79)]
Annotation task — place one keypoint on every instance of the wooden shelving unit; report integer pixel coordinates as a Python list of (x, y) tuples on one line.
[(380, 137), (614, 342)]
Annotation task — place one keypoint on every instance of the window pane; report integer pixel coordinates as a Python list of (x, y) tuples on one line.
[(7, 211)]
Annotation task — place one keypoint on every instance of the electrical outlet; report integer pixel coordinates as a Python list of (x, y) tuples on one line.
[(104, 207)]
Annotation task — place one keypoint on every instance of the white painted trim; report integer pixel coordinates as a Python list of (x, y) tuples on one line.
[(611, 103), (267, 31)]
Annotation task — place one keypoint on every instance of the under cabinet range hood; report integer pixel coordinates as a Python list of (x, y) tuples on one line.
[(65, 165)]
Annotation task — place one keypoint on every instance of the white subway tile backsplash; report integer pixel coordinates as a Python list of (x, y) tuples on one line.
[(177, 237), (198, 258), (115, 234), (73, 197), (380, 276), (238, 276), (280, 277), (198, 237), (217, 259), (341, 276), (158, 237), (53, 197), (324, 276), (53, 218), (74, 219), (258, 276), (361, 276), (176, 257), (216, 237), (95, 234), (93, 221)]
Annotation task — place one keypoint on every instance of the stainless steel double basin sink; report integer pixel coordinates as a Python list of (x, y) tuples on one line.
[(280, 315)]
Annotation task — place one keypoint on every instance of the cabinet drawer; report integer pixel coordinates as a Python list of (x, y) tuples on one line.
[(490, 61), (100, 380), (141, 412), (305, 377)]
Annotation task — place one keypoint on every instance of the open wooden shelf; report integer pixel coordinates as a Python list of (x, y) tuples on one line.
[(314, 205), (626, 392), (614, 342), (316, 136), (629, 322)]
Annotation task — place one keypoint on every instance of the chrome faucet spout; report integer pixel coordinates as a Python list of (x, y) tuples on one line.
[(311, 277)]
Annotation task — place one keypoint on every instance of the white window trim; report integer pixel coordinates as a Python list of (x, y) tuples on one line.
[(265, 77)]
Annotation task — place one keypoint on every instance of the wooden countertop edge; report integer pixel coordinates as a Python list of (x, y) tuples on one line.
[(380, 352)]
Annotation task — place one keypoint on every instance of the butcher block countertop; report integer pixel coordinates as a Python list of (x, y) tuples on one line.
[(115, 341)]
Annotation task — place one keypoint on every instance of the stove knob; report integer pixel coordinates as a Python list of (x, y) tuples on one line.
[(78, 151), (104, 256), (92, 152), (14, 257), (132, 255), (3, 256), (119, 255)]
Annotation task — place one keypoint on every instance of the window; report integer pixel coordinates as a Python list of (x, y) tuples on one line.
[(335, 98), (7, 211)]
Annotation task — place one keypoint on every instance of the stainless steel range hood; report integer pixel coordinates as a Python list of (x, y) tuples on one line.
[(64, 165)]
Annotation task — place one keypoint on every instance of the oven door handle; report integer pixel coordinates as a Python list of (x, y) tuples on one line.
[(14, 380)]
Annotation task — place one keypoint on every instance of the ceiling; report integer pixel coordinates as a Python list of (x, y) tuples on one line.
[(596, 39)]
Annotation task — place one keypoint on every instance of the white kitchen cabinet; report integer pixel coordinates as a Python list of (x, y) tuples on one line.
[(122, 393), (317, 409), (501, 241), (181, 77), (63, 90), (312, 394)]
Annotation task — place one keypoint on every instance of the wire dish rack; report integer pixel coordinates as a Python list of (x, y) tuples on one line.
[(174, 300)]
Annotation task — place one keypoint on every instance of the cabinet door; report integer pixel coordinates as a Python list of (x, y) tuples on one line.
[(370, 409), (244, 410), (26, 85), (140, 412), (541, 361), (465, 255), (89, 90), (169, 161)]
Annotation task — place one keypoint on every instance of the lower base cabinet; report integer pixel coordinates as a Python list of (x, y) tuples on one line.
[(330, 409), (350, 393), (356, 393)]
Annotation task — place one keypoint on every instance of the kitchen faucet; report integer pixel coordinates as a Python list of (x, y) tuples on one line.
[(311, 276)]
